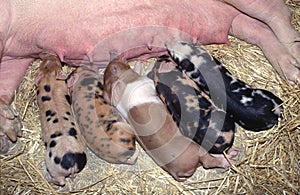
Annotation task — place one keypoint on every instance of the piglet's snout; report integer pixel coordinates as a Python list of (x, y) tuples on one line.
[(69, 160)]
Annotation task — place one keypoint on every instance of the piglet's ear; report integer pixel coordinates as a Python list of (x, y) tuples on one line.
[(11, 134), (117, 91), (38, 78), (6, 111), (114, 69), (106, 97), (60, 75)]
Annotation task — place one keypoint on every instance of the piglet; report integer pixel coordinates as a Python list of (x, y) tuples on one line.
[(10, 127), (65, 148), (102, 128), (135, 97), (193, 112), (253, 109)]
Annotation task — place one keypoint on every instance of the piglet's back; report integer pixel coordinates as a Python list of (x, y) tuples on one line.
[(103, 130), (65, 149)]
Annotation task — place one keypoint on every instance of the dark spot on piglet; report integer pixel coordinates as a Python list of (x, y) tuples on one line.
[(220, 140), (100, 86), (125, 140), (81, 160), (48, 113), (109, 123), (73, 132), (56, 134), (128, 153), (47, 88), (57, 160), (97, 96), (90, 88), (186, 65), (46, 98), (52, 144), (195, 75), (69, 160), (68, 98), (87, 81)]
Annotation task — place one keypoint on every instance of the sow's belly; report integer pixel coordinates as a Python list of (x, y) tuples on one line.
[(97, 31)]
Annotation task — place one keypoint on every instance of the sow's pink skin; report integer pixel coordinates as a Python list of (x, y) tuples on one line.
[(91, 33)]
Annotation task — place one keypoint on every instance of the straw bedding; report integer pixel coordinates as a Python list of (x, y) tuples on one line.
[(268, 162)]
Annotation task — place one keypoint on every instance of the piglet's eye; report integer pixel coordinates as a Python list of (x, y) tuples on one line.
[(115, 69)]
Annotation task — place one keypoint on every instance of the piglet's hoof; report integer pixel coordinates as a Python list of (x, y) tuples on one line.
[(219, 160), (10, 127)]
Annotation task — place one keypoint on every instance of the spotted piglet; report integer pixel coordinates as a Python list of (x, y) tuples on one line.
[(103, 130), (193, 112), (253, 109), (65, 148)]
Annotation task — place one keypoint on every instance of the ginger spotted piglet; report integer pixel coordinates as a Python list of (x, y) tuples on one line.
[(103, 130), (65, 148)]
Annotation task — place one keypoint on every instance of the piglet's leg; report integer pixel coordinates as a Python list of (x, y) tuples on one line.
[(285, 40), (10, 127), (11, 74), (217, 160)]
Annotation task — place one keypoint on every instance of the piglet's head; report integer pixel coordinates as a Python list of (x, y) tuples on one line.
[(117, 74), (50, 65)]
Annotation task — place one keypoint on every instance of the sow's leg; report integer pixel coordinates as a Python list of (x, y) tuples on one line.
[(275, 35), (11, 74)]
